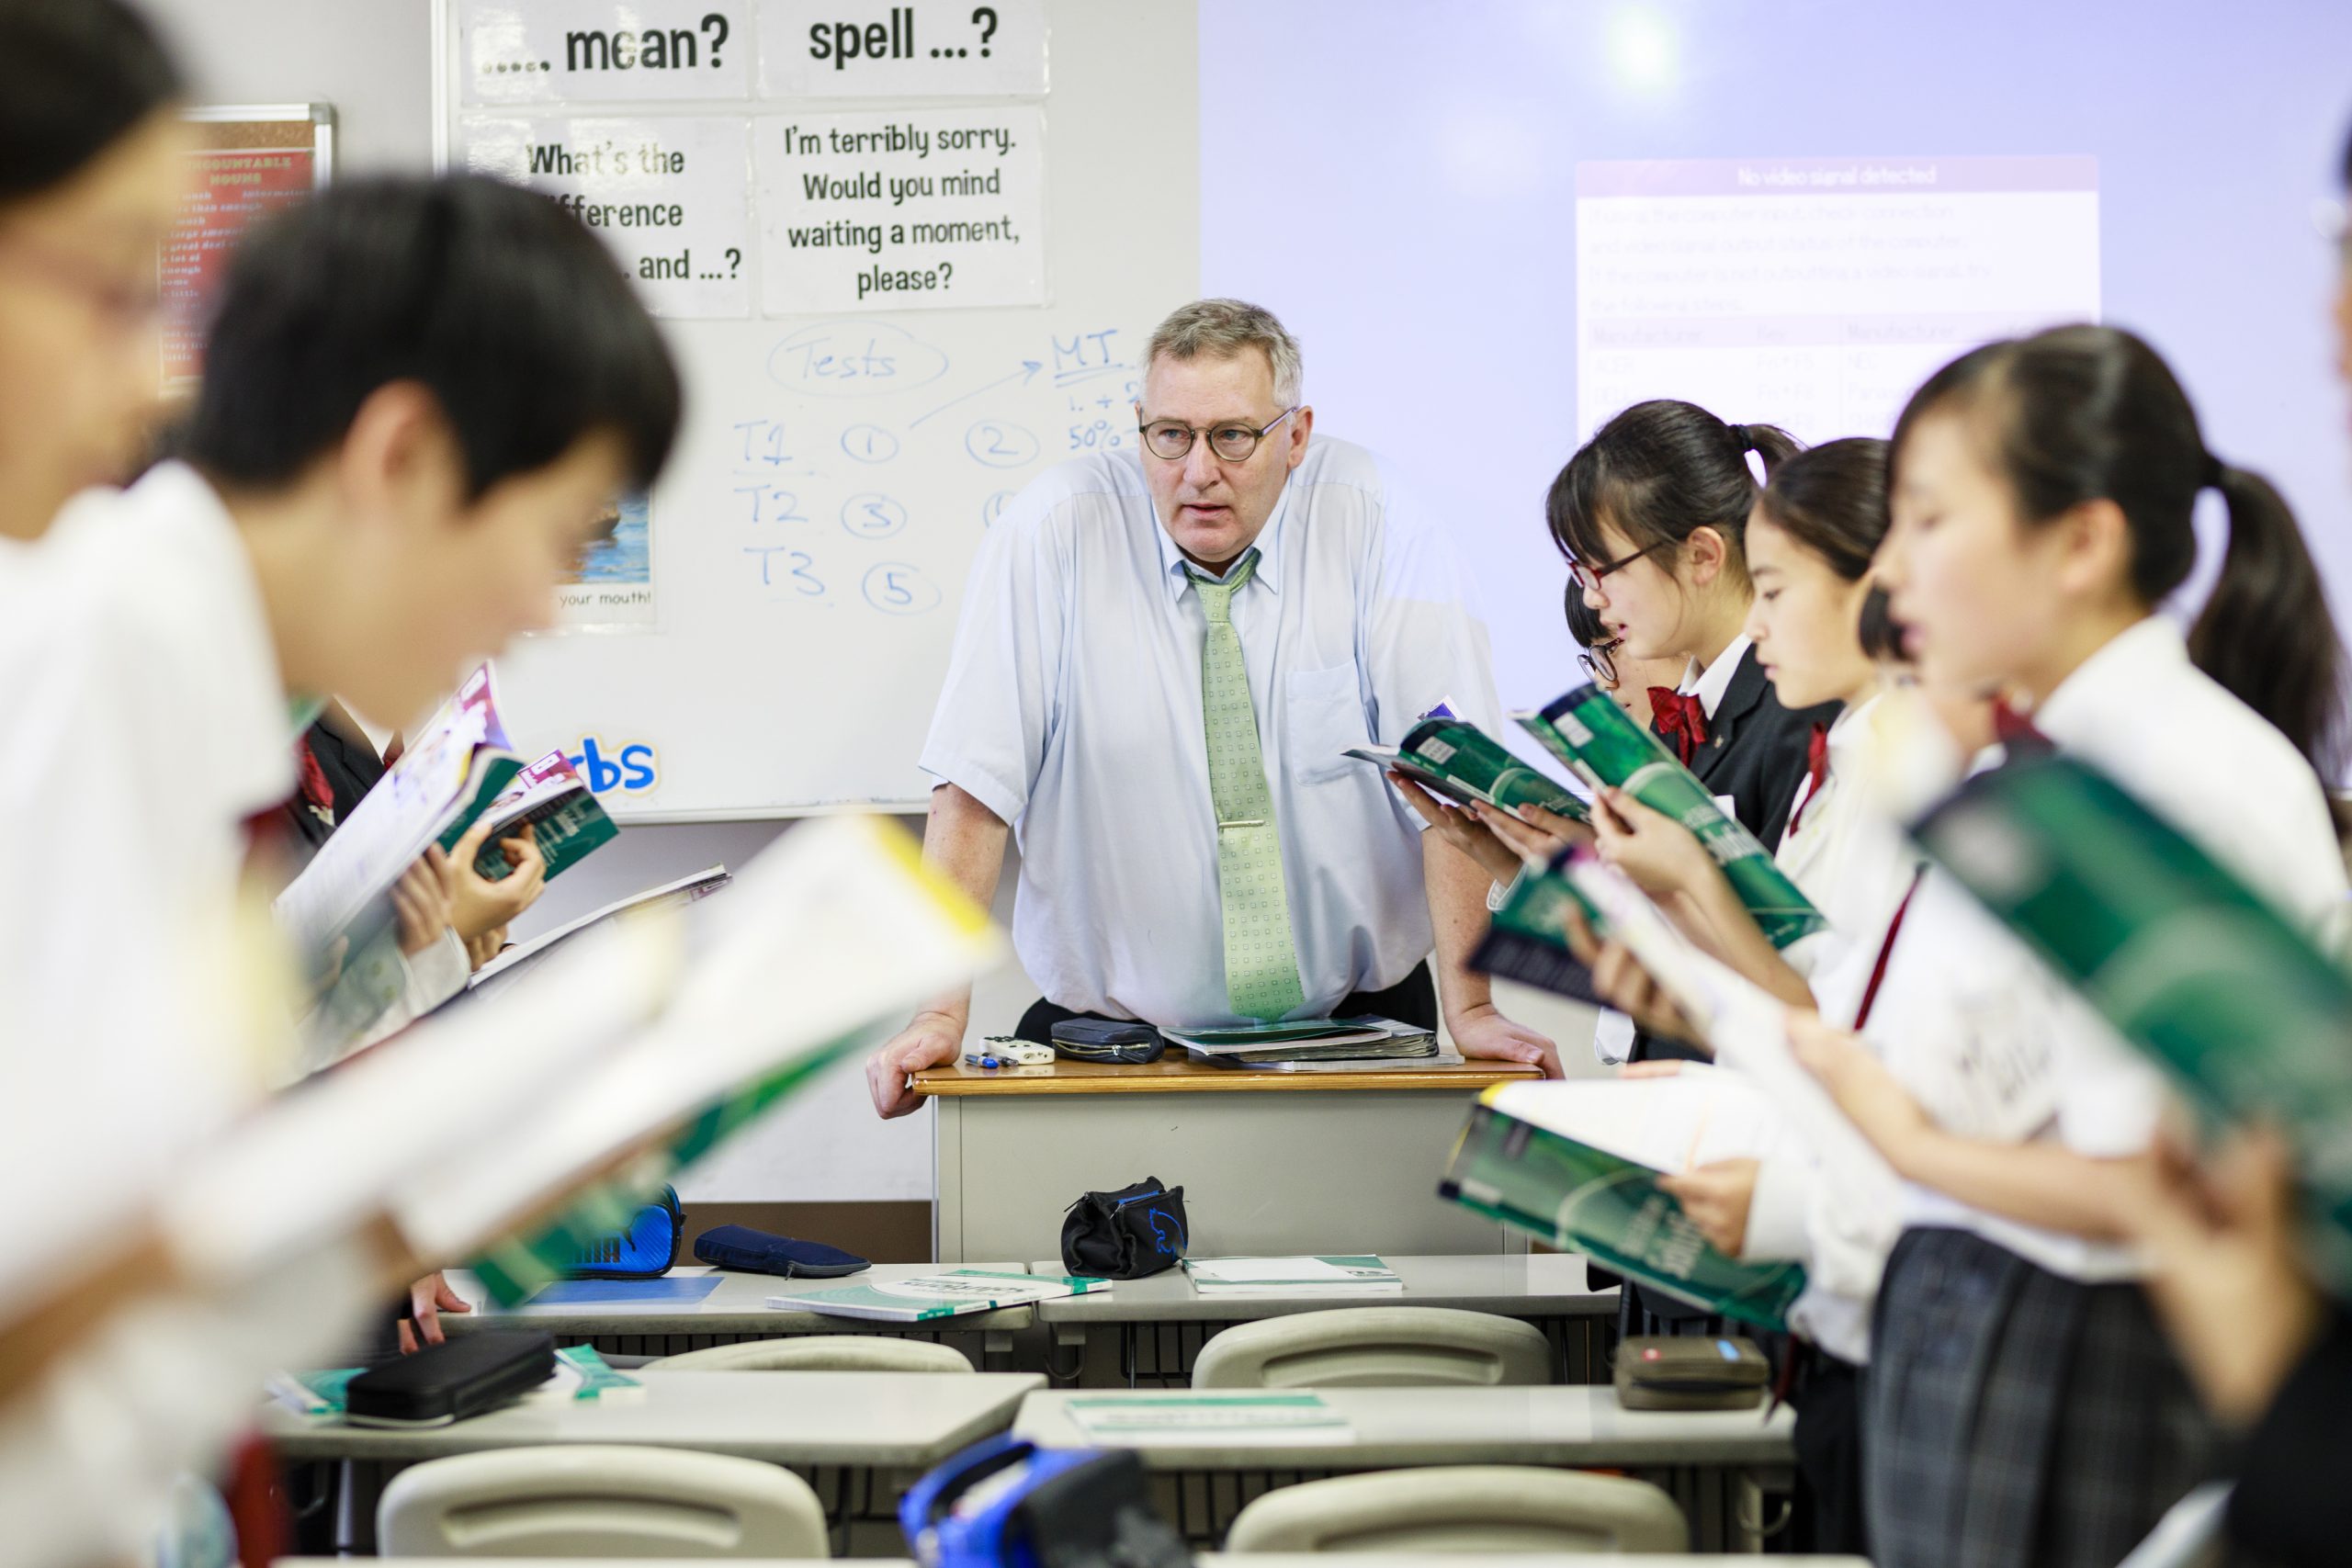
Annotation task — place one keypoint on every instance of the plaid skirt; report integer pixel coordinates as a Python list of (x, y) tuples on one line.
[(2015, 1417)]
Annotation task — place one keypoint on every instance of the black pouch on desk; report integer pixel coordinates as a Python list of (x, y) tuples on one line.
[(1691, 1372), (740, 1247), (1107, 1040), (451, 1381), (1132, 1233)]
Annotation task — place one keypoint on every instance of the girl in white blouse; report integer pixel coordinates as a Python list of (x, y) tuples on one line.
[(2023, 1405), (1821, 632)]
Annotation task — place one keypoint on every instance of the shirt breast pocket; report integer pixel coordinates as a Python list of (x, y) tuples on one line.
[(1323, 718)]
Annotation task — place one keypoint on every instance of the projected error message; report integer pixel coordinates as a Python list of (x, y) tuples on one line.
[(1816, 293)]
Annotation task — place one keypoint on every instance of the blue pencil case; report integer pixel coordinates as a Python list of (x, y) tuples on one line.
[(740, 1247)]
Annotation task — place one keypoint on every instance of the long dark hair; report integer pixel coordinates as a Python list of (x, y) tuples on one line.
[(2090, 414), (75, 77), (1658, 473), (1831, 499)]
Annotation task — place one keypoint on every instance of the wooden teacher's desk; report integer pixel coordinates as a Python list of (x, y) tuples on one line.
[(1272, 1163)]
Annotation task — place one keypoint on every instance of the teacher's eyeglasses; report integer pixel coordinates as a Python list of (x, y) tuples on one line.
[(1172, 439)]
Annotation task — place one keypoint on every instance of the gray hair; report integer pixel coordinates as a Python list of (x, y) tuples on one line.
[(1224, 328)]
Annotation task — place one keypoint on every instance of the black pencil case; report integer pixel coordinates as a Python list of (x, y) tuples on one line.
[(451, 1381), (741, 1247)]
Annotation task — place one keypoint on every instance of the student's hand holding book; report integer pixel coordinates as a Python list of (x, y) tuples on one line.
[(1717, 1197), (1618, 979), (1657, 854), (482, 905), (1538, 841), (422, 900), (2228, 1274)]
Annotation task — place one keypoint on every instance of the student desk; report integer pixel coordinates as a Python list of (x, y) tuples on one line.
[(738, 1309), (1717, 1464), (1150, 1331), (1272, 1163), (1206, 1559), (860, 1438)]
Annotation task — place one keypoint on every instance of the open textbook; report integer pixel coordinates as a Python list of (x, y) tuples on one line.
[(1745, 1025), (1527, 939), (453, 769), (523, 954), (2179, 954), (1456, 760), (1601, 743), (1577, 1164), (551, 800), (628, 1053)]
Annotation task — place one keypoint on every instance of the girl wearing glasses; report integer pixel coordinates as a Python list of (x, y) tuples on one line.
[(91, 170), (1652, 514)]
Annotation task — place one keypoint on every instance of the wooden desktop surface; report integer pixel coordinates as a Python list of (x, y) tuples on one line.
[(1170, 1075)]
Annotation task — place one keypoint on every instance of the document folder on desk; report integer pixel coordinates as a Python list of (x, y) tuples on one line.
[(927, 1297)]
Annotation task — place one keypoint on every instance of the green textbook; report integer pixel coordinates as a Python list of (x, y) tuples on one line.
[(1527, 939), (1600, 740), (1458, 761), (2188, 963), (554, 803), (1571, 1194)]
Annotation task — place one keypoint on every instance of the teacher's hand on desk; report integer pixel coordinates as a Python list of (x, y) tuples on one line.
[(1483, 1034), (932, 1040)]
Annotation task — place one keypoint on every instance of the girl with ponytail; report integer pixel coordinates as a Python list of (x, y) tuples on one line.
[(1652, 515), (2023, 1405)]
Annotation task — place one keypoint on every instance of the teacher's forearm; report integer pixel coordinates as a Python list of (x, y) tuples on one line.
[(963, 841), (1457, 895)]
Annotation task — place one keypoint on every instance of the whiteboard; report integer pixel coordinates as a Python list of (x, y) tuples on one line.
[(808, 547)]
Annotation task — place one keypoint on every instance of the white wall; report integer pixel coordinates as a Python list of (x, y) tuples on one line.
[(371, 60)]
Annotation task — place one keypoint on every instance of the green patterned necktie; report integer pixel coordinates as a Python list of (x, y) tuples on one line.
[(1260, 965)]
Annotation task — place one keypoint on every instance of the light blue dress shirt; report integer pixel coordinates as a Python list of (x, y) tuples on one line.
[(1072, 710)]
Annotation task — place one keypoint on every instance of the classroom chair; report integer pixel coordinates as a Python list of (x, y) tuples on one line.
[(819, 1353), (589, 1500), (1482, 1508), (1384, 1347)]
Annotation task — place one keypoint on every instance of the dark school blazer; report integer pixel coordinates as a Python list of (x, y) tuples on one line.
[(1754, 753)]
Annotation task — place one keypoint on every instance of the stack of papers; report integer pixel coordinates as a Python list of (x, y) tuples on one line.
[(1344, 1276), (1310, 1040), (1209, 1418), (927, 1296)]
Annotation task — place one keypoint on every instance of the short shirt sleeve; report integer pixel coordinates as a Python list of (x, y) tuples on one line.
[(1002, 698)]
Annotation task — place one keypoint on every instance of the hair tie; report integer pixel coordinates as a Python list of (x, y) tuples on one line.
[(2210, 477), (1741, 438)]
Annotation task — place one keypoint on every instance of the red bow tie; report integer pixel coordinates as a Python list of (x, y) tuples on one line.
[(2015, 730), (1816, 771), (1679, 717)]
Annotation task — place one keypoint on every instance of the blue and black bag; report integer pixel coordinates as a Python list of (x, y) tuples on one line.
[(1128, 1235)]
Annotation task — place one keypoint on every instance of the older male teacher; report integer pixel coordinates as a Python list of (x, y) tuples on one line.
[(1166, 651)]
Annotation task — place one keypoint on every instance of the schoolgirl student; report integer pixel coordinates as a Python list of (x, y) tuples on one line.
[(2271, 1350), (2023, 1405), (91, 170), (1822, 636), (1652, 514), (1821, 633)]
